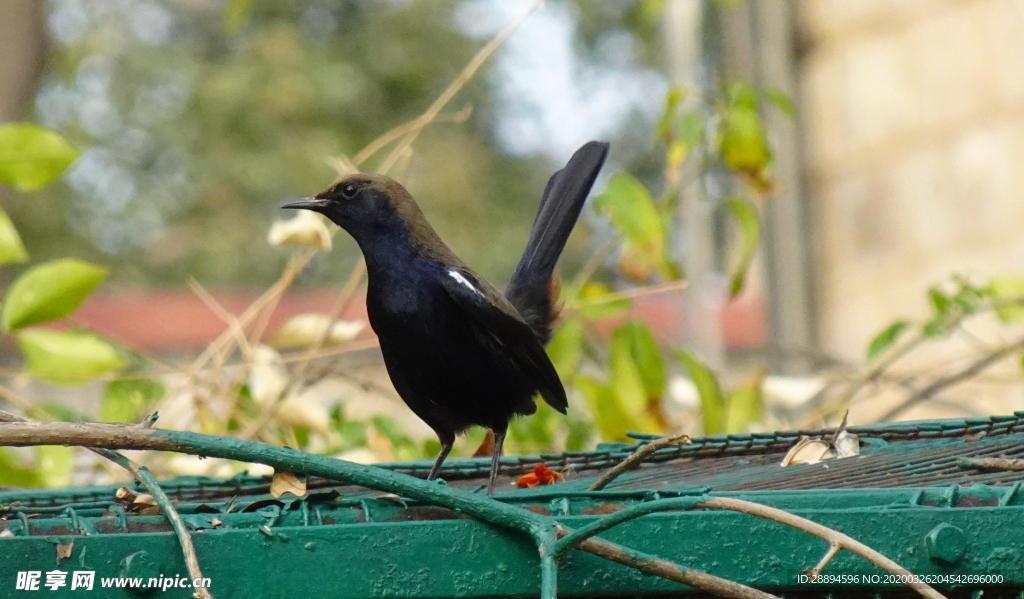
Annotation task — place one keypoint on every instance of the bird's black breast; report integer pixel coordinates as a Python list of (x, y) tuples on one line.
[(452, 372)]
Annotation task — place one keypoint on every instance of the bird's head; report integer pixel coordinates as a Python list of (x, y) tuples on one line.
[(370, 207), (362, 203)]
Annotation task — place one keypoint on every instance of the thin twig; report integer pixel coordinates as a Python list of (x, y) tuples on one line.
[(630, 294), (12, 398), (593, 263), (1011, 464), (296, 379), (868, 377), (637, 458), (948, 381), (405, 128), (833, 550), (822, 408), (653, 566), (228, 318), (141, 474), (833, 537), (417, 126)]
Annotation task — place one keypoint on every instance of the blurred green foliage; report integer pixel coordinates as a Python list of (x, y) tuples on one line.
[(250, 108), (195, 136)]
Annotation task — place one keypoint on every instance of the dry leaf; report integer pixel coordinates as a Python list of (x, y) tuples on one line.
[(846, 444), (267, 378), (64, 551), (808, 451), (304, 411), (287, 482), (125, 495), (304, 330), (144, 505), (306, 229)]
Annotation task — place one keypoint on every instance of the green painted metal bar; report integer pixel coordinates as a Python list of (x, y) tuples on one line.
[(465, 558)]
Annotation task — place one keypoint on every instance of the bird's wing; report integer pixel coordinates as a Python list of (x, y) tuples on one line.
[(489, 308)]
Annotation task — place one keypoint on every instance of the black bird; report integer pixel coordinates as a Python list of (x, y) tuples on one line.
[(458, 351)]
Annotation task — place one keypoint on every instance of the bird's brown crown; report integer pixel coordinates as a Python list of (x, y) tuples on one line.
[(382, 196)]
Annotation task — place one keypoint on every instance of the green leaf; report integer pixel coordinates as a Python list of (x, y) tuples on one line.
[(712, 403), (745, 405), (1008, 296), (11, 248), (886, 338), (781, 100), (61, 413), (235, 12), (14, 474), (625, 376), (49, 291), (54, 465), (647, 356), (566, 348), (387, 426), (743, 144), (939, 300), (632, 211), (747, 217), (597, 300), (935, 327), (127, 400), (691, 128), (673, 99), (741, 94), (580, 430), (611, 420), (67, 357), (31, 156)]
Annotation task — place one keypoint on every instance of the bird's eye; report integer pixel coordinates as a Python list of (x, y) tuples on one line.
[(349, 191)]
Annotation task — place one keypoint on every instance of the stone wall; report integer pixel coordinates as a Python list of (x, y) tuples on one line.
[(913, 112), (914, 121)]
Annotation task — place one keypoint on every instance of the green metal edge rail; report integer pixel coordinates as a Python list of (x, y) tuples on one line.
[(455, 557)]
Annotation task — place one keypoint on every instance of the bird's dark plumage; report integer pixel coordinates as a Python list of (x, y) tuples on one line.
[(459, 352)]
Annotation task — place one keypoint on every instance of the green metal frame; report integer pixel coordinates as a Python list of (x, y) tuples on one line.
[(360, 544), (283, 557)]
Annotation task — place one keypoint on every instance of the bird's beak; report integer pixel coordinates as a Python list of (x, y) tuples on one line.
[(314, 204)]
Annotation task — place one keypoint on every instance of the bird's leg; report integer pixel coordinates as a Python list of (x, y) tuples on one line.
[(499, 440), (446, 446)]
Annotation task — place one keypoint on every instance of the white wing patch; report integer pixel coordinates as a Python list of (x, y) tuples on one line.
[(463, 281)]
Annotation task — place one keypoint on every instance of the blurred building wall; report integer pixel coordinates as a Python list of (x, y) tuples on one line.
[(913, 113)]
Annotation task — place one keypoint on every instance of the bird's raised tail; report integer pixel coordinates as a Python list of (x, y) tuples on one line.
[(532, 290)]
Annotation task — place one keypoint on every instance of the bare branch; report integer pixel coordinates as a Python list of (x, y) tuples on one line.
[(637, 458), (967, 372), (467, 73), (653, 566), (141, 474), (297, 377), (833, 537), (1011, 464), (833, 550)]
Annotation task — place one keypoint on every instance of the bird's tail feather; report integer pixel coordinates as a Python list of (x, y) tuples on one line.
[(530, 288)]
